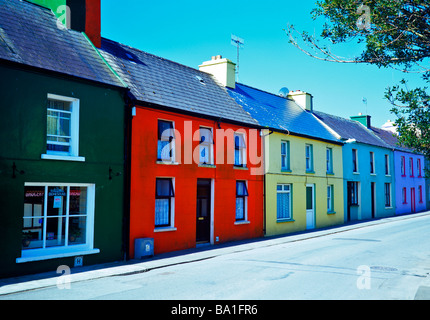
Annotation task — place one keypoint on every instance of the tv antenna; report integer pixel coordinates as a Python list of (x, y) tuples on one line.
[(365, 102), (238, 43)]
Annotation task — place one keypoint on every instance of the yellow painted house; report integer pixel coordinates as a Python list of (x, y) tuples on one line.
[(302, 156), (303, 161)]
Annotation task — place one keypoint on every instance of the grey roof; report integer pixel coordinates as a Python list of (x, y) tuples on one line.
[(278, 113), (29, 35), (391, 139), (165, 83), (350, 129)]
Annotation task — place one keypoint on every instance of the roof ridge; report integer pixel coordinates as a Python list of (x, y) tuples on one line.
[(261, 90)]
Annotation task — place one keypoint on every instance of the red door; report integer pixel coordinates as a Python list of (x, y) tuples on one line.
[(412, 199)]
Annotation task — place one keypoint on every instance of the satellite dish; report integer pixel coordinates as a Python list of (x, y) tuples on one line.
[(284, 92)]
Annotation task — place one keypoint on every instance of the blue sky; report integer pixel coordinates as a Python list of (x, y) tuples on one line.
[(190, 32)]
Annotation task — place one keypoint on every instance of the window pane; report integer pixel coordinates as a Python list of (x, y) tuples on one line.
[(283, 206), (55, 231), (164, 188), (240, 208), (241, 189), (206, 135), (78, 201), (32, 231), (77, 230), (162, 212), (57, 201), (164, 151), (204, 154)]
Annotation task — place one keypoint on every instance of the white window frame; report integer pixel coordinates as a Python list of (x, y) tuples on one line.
[(329, 160), (330, 198), (66, 250), (390, 205), (170, 227), (372, 162), (285, 155), (172, 159), (242, 151), (245, 213), (208, 146), (387, 165), (73, 154), (289, 192), (355, 154), (311, 158)]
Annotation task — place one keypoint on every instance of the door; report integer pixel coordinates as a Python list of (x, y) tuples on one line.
[(310, 206), (412, 199), (372, 190), (203, 213)]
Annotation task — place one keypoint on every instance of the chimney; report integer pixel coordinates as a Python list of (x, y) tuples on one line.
[(363, 119), (85, 16), (303, 99), (222, 69)]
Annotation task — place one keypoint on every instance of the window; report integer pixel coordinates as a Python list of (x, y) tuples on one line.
[(166, 137), (62, 129), (411, 167), (283, 201), (58, 220), (403, 166), (387, 165), (329, 160), (354, 160), (420, 193), (241, 196), (309, 158), (330, 200), (353, 192), (372, 162), (387, 195), (419, 168), (206, 146), (285, 155), (164, 195), (239, 150), (404, 196)]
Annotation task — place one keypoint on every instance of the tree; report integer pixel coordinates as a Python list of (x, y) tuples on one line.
[(395, 34)]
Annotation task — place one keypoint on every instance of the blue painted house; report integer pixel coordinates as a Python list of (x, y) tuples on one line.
[(408, 172), (368, 168)]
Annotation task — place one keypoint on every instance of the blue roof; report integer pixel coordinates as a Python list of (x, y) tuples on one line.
[(278, 113), (30, 36)]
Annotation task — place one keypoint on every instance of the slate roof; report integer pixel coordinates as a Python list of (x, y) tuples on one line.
[(350, 129), (278, 113), (29, 35), (391, 139), (165, 83)]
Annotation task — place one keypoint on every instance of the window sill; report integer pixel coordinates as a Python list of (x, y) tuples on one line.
[(356, 172), (331, 212), (388, 208), (240, 168), (62, 158), (28, 256), (166, 162), (165, 229), (284, 220), (207, 165), (373, 174), (310, 172), (331, 173), (242, 222)]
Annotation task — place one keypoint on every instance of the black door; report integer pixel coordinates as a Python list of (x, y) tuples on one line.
[(203, 210)]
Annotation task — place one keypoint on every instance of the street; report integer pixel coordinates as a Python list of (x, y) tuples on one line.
[(389, 260)]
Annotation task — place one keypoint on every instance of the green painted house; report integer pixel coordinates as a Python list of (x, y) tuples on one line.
[(63, 141)]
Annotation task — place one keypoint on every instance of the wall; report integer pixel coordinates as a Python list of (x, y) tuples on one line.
[(364, 177), (299, 178), (145, 170), (409, 182), (23, 141)]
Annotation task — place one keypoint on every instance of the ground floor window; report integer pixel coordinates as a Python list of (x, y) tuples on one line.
[(283, 201), (241, 195), (164, 195), (330, 200), (57, 216), (387, 195), (353, 193)]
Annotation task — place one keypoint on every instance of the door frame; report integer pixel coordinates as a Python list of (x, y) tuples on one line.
[(211, 209), (313, 207)]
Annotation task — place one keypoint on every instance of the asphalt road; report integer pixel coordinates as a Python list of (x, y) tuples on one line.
[(384, 261)]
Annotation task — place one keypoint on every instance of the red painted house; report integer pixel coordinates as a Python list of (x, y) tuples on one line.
[(196, 160)]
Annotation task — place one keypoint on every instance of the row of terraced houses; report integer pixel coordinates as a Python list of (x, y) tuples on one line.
[(110, 153)]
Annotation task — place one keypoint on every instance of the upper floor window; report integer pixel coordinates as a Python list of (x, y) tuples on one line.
[(419, 168), (411, 167), (239, 150), (329, 160), (309, 158), (387, 164), (285, 155), (372, 162), (166, 137), (62, 128), (403, 166), (206, 145), (354, 160)]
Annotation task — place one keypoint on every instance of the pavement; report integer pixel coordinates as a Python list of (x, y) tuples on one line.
[(50, 279)]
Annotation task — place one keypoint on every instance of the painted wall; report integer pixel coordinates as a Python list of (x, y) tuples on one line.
[(298, 177), (364, 208), (412, 183), (145, 170), (23, 122)]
